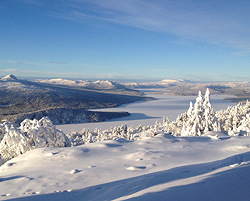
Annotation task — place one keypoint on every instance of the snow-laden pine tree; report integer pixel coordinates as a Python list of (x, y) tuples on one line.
[(166, 126), (190, 110), (209, 120), (234, 118), (200, 117)]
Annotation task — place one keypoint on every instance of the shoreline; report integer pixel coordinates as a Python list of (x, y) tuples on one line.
[(148, 112)]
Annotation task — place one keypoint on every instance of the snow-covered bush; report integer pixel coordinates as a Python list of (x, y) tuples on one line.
[(31, 134), (129, 133), (42, 133)]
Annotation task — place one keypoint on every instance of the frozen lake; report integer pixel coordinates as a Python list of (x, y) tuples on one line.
[(148, 112)]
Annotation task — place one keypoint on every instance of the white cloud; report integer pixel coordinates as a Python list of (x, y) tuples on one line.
[(219, 22), (223, 23)]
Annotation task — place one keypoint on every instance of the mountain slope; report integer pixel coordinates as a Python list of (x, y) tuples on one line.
[(21, 97)]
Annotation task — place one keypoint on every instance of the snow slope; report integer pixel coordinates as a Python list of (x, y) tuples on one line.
[(163, 167)]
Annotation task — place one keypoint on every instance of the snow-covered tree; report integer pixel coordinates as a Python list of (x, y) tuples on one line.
[(43, 133), (234, 118), (190, 110), (200, 117), (14, 142), (31, 134), (209, 114)]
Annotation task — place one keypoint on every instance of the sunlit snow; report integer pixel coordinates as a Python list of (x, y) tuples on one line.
[(213, 166)]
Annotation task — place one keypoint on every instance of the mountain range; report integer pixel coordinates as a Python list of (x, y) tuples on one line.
[(61, 101), (71, 101)]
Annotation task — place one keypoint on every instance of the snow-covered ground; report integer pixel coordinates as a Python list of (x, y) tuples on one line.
[(148, 112), (214, 166), (160, 168)]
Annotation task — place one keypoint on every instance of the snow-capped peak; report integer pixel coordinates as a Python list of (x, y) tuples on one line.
[(172, 81), (9, 77)]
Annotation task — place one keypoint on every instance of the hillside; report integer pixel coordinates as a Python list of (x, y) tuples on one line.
[(20, 99)]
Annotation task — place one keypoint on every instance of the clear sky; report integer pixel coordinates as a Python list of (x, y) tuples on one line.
[(196, 40)]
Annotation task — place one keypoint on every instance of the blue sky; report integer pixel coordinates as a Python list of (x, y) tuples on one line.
[(127, 39)]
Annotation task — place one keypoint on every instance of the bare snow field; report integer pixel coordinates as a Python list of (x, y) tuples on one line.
[(160, 168), (213, 166), (148, 112)]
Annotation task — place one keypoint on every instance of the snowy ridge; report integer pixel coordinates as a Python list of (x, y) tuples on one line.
[(99, 84)]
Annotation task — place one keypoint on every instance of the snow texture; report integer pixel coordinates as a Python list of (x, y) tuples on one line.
[(30, 135), (160, 168)]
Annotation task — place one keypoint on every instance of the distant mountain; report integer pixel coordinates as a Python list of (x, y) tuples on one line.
[(176, 81), (71, 99), (9, 78), (22, 98), (160, 84), (171, 81), (99, 84), (186, 88)]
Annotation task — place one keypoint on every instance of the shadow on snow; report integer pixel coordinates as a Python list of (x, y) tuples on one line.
[(190, 182)]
